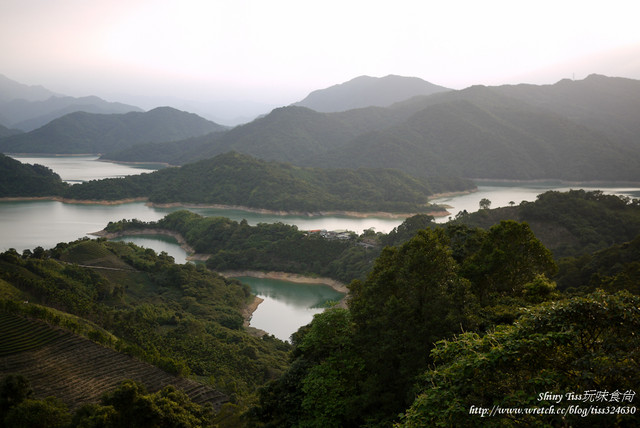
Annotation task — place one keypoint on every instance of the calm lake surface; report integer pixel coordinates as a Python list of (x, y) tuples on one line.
[(501, 194), (76, 169), (287, 306)]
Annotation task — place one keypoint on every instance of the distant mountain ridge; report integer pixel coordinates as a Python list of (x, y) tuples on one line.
[(573, 130), (30, 115), (12, 90), (481, 132), (82, 132), (366, 91), (30, 107), (6, 132)]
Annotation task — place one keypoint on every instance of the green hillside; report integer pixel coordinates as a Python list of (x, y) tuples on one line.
[(47, 355), (181, 318), (445, 318), (570, 223), (82, 132)]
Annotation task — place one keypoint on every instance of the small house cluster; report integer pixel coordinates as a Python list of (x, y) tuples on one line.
[(332, 234)]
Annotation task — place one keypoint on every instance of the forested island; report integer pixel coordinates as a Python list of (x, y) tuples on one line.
[(441, 318)]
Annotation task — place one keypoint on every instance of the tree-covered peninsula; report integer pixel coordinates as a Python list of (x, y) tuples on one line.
[(239, 180), (20, 180)]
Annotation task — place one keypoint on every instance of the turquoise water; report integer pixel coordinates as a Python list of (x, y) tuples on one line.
[(287, 306)]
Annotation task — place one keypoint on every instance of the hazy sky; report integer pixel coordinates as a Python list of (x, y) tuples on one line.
[(277, 51)]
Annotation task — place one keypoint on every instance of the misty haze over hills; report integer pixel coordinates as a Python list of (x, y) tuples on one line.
[(29, 107), (83, 132)]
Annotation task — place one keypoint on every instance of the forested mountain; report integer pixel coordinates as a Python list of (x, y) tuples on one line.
[(82, 132), (30, 107), (287, 134), (573, 130), (609, 105), (30, 115), (481, 133), (18, 179), (366, 91), (236, 179)]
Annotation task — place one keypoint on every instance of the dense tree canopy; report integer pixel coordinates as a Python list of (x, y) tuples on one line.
[(577, 345)]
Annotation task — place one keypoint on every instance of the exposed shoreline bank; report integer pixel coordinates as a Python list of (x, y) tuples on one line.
[(283, 276), (290, 277), (191, 254), (353, 214), (247, 313), (71, 201)]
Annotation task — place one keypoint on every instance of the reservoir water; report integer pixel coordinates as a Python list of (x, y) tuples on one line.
[(502, 194), (76, 169), (287, 306)]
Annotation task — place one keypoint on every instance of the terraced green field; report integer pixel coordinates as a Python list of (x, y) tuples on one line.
[(76, 370), (20, 334)]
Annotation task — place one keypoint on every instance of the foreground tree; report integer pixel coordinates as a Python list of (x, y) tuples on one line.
[(509, 257), (14, 389), (131, 406), (47, 413), (580, 345), (321, 388), (412, 298)]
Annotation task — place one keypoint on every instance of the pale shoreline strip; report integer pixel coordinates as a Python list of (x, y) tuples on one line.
[(137, 232), (290, 277), (355, 214)]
